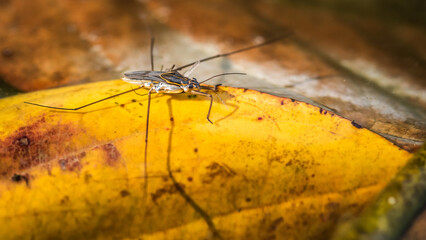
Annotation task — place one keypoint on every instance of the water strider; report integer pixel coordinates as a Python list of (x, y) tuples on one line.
[(170, 81)]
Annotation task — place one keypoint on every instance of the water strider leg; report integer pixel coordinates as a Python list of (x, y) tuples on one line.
[(146, 133), (222, 74), (152, 53), (236, 51), (86, 105), (211, 101)]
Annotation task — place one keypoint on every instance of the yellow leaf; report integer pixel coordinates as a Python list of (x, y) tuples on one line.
[(267, 167)]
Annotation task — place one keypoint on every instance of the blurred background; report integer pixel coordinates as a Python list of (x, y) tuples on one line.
[(364, 59)]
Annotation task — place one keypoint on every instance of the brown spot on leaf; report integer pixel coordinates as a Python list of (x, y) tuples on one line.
[(32, 145), (322, 111), (72, 163), (20, 178), (124, 193), (65, 199), (113, 155)]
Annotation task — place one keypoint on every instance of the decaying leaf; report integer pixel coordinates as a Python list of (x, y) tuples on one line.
[(269, 167)]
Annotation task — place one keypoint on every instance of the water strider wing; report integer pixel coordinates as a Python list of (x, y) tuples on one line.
[(174, 78), (138, 77)]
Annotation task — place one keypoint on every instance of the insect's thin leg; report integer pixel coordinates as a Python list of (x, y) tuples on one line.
[(148, 29), (152, 53), (211, 102), (222, 74), (134, 90), (77, 108), (236, 51), (189, 71), (146, 137)]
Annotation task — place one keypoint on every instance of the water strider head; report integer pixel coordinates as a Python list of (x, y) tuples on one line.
[(193, 84)]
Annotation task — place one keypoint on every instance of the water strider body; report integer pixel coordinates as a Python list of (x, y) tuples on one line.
[(170, 82), (162, 82)]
